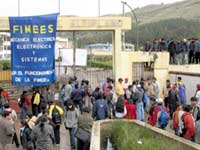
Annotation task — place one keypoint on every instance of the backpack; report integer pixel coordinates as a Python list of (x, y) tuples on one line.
[(163, 118), (62, 93), (120, 106), (25, 138), (56, 117)]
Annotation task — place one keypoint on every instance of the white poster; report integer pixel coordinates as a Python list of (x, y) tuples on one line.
[(67, 57)]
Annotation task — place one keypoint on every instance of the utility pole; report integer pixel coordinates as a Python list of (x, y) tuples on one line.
[(74, 53), (123, 32), (136, 20)]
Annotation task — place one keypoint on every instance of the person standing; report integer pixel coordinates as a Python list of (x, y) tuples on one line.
[(6, 131), (56, 113), (25, 104), (71, 122), (189, 124), (196, 115), (156, 87), (43, 135), (139, 93), (77, 97), (181, 93), (131, 110), (197, 94), (166, 90), (177, 122), (68, 91), (100, 108), (83, 133), (119, 87), (173, 99)]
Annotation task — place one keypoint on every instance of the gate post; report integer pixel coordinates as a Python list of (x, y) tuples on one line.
[(117, 51)]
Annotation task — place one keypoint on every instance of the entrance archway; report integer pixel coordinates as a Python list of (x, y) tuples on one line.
[(114, 24)]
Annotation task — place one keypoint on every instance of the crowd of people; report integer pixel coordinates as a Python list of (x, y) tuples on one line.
[(181, 52), (76, 105)]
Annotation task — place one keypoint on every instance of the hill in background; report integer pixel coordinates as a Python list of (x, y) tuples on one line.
[(176, 20)]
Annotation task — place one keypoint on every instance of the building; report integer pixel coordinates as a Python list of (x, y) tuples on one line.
[(5, 50)]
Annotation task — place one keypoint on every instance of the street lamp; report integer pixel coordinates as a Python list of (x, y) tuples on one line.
[(18, 5), (137, 29)]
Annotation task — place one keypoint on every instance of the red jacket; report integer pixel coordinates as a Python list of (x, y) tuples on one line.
[(4, 94), (131, 111), (152, 118), (189, 125)]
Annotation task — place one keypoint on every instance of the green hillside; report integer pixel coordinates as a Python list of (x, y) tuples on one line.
[(188, 10), (177, 20)]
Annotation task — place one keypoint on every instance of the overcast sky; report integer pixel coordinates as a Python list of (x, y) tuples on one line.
[(70, 7)]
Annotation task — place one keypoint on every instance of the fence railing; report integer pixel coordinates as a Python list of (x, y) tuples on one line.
[(5, 75)]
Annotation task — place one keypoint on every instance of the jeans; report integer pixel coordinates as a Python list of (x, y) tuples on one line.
[(24, 112), (72, 138), (57, 134), (140, 111)]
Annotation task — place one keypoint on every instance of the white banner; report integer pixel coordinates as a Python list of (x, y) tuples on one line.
[(67, 57)]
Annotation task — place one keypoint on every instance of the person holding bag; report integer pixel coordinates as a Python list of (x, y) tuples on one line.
[(71, 122), (83, 132)]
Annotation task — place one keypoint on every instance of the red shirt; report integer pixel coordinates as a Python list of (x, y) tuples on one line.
[(27, 101), (131, 111)]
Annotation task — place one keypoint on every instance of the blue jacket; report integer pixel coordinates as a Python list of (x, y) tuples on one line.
[(100, 110), (181, 93), (197, 46)]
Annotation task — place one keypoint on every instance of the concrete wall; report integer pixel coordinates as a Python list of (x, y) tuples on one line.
[(126, 59), (96, 134)]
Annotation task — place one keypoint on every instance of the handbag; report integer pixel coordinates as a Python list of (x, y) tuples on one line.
[(82, 135)]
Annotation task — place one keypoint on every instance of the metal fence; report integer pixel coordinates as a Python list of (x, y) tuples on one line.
[(96, 76), (5, 75), (142, 70)]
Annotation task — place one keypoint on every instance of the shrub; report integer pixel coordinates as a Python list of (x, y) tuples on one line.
[(5, 65)]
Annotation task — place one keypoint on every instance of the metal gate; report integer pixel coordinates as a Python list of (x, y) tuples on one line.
[(142, 70), (96, 76)]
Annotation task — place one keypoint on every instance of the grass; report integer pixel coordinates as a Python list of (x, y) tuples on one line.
[(126, 135)]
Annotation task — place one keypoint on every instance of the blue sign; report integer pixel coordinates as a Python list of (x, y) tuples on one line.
[(32, 49)]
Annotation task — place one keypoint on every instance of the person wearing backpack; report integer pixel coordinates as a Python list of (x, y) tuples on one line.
[(161, 115), (120, 109), (100, 108), (56, 113), (196, 115), (25, 133), (188, 131), (176, 120), (77, 97)]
